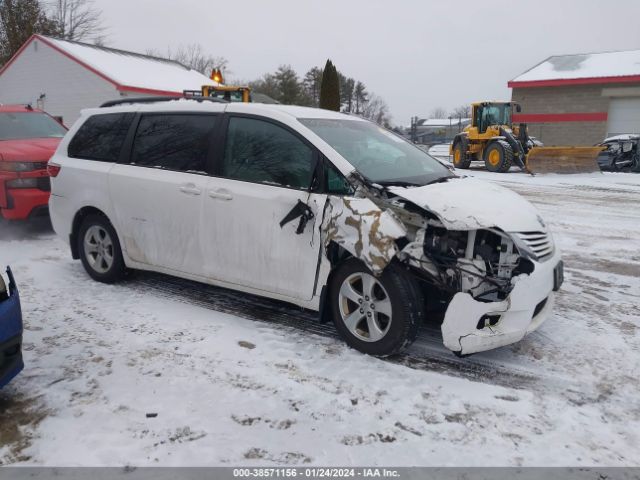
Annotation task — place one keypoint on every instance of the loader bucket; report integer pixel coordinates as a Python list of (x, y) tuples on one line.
[(563, 159)]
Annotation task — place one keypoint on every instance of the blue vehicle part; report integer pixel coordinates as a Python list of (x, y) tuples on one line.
[(10, 333)]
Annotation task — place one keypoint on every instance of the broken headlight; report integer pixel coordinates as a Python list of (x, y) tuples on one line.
[(480, 262), (445, 244)]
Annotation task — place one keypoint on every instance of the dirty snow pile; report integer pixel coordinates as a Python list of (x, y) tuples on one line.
[(129, 375)]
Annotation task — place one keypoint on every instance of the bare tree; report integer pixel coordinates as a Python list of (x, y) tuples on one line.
[(438, 112), (267, 85), (463, 111), (193, 56), (78, 20), (377, 110)]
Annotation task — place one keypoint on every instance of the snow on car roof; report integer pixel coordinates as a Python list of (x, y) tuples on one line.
[(189, 104), (130, 69), (296, 111), (589, 65)]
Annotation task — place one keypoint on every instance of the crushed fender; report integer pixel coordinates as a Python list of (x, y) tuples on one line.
[(363, 229)]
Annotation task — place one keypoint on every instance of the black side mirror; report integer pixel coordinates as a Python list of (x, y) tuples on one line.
[(518, 108)]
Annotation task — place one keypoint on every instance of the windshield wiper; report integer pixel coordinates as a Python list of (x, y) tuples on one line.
[(439, 180), (398, 183)]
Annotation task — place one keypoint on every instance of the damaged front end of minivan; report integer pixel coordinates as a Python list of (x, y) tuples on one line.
[(483, 251)]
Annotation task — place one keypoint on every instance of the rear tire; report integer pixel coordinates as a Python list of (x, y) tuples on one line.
[(460, 157), (375, 315), (99, 249), (498, 156)]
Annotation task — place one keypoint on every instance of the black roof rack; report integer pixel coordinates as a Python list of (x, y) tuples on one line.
[(126, 101)]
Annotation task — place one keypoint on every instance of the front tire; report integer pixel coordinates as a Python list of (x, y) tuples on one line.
[(375, 315), (99, 249), (498, 156)]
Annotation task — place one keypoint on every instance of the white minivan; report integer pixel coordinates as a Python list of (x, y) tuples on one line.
[(324, 210)]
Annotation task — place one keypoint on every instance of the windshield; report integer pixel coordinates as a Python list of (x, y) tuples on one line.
[(379, 155), (496, 114), (19, 125)]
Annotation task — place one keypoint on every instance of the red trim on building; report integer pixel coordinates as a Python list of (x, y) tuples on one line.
[(15, 55), (79, 62), (123, 88), (574, 81), (147, 91), (58, 49), (560, 117)]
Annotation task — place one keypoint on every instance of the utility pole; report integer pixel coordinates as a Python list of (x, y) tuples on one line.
[(414, 129)]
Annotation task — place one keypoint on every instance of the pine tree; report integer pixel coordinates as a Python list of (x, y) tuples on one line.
[(311, 82), (361, 97), (289, 85), (330, 88), (19, 19), (347, 86)]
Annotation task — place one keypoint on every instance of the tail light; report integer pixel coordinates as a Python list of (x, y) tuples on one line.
[(53, 169)]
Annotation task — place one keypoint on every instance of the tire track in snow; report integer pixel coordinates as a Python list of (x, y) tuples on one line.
[(427, 353)]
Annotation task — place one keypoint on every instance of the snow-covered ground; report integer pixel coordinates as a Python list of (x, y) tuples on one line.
[(230, 381), (440, 151)]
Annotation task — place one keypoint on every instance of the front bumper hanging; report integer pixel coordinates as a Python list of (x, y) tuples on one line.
[(472, 326)]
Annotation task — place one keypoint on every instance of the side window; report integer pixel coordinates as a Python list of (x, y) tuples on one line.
[(173, 141), (259, 151), (101, 137), (336, 183)]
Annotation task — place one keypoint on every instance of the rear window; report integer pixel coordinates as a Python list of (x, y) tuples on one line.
[(21, 125), (101, 137), (173, 141)]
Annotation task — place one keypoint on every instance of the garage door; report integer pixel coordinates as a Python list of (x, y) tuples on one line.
[(624, 116)]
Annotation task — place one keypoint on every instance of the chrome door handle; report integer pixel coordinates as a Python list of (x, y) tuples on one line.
[(221, 194), (190, 189)]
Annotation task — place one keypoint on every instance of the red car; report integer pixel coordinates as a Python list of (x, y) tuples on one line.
[(28, 138)]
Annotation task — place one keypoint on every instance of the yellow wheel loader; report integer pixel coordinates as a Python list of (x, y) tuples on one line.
[(230, 93), (492, 138)]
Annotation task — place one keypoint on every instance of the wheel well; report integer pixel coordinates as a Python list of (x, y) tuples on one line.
[(336, 254), (75, 227), (500, 141)]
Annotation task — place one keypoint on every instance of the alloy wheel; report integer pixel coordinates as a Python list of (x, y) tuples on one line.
[(98, 249), (365, 307)]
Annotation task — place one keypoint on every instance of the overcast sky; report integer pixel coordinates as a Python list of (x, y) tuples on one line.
[(417, 54)]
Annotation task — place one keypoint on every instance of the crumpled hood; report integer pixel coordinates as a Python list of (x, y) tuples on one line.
[(465, 203)]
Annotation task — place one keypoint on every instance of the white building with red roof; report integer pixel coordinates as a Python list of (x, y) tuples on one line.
[(62, 77), (580, 99)]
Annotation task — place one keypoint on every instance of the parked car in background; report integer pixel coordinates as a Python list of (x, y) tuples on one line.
[(28, 138), (621, 153), (317, 208), (10, 329)]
